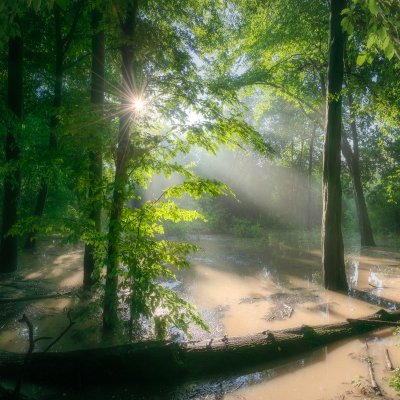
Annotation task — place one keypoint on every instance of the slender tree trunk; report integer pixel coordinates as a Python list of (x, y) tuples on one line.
[(61, 47), (332, 241), (352, 157), (309, 180), (96, 159), (12, 181), (59, 71), (124, 152)]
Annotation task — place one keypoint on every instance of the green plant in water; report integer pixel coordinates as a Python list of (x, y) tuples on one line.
[(362, 385), (394, 381), (148, 259), (245, 228)]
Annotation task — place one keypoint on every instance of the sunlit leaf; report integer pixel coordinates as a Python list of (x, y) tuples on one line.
[(373, 7), (361, 58)]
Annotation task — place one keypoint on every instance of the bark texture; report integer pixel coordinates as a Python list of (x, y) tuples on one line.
[(124, 153), (352, 157), (12, 180), (158, 360), (332, 241)]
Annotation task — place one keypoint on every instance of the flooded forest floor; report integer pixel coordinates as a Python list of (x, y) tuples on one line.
[(241, 287)]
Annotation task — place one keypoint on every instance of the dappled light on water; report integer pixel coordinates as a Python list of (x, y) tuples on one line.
[(241, 286)]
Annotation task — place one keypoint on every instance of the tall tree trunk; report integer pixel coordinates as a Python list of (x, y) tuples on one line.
[(12, 180), (332, 241), (59, 71), (309, 180), (124, 152), (62, 45), (352, 158), (96, 159)]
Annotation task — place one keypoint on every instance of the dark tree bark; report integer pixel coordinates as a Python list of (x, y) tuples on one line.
[(352, 158), (96, 159), (124, 153), (332, 241), (12, 180), (161, 360)]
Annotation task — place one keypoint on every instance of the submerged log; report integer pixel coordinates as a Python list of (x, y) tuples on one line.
[(169, 360)]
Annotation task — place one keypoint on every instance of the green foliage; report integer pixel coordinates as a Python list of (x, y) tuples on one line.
[(382, 19), (395, 380), (245, 228), (263, 94), (147, 260)]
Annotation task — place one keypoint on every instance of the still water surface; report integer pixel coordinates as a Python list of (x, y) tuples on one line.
[(241, 286)]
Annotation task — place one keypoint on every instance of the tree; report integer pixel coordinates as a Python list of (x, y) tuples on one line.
[(96, 159), (124, 152), (62, 43), (334, 274), (12, 180), (157, 46), (353, 161)]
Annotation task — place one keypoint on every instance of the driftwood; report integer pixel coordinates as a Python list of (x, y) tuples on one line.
[(368, 360), (389, 363), (170, 360)]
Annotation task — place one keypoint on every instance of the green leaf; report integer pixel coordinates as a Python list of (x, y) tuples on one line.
[(389, 51), (361, 58), (63, 4), (36, 4), (347, 25), (386, 42), (371, 41), (373, 7), (382, 33)]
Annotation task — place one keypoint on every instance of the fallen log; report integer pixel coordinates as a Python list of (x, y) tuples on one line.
[(4, 300), (162, 360)]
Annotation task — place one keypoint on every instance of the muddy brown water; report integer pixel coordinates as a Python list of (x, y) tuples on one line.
[(241, 286)]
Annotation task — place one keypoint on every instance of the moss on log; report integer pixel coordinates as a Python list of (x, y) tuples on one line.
[(169, 360)]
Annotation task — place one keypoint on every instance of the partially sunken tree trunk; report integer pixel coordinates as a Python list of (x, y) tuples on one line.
[(12, 180), (332, 240), (161, 360), (124, 152), (353, 162), (96, 159)]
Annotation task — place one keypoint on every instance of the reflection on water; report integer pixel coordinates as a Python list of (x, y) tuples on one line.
[(260, 287), (241, 286), (328, 373)]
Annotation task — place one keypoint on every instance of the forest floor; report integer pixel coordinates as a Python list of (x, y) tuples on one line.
[(241, 287)]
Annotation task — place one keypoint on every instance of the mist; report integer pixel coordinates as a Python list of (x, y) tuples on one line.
[(264, 190)]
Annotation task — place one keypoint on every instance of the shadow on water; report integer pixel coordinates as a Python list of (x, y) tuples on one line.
[(372, 298), (241, 286), (213, 388)]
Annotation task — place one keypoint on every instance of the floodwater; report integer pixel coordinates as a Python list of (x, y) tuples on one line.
[(241, 286)]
